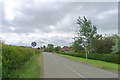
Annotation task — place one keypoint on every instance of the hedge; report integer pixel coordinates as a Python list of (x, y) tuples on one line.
[(113, 58), (13, 57)]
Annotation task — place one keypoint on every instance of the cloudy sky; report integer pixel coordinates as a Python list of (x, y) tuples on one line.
[(53, 22)]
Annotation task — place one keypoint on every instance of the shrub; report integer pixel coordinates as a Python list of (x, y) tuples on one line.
[(113, 58), (14, 57)]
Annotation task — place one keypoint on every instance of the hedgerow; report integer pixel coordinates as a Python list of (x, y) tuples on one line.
[(13, 57), (0, 61), (113, 58)]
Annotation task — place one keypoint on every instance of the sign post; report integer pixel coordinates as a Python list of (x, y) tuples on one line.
[(33, 45), (85, 45)]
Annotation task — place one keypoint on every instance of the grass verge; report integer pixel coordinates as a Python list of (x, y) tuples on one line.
[(0, 61), (30, 69), (96, 63)]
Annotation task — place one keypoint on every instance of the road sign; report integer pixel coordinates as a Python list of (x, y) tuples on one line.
[(85, 44), (33, 44)]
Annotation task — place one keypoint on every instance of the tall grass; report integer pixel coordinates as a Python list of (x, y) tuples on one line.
[(31, 69)]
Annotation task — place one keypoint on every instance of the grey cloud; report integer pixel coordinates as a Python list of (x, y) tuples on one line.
[(59, 41), (32, 16), (41, 16)]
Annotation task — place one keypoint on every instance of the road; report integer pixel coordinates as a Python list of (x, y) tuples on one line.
[(59, 67)]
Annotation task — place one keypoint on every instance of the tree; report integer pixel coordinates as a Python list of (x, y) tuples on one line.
[(50, 47), (77, 47), (58, 48), (44, 46), (86, 31), (116, 48), (95, 43), (102, 44), (115, 36)]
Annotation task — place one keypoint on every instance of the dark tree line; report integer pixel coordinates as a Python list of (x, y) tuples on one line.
[(51, 48)]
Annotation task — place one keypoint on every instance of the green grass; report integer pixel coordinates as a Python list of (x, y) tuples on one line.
[(96, 63), (30, 69)]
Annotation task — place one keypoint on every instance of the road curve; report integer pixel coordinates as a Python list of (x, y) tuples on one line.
[(59, 67)]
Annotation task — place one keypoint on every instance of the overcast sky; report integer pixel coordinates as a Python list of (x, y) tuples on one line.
[(53, 22)]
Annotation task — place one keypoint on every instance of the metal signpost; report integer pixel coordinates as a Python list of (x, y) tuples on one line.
[(33, 45), (85, 45)]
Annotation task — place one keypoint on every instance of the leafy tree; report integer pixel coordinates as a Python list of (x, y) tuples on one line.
[(95, 43), (116, 48), (102, 45), (44, 46), (58, 48), (77, 47), (114, 36), (50, 48), (86, 31)]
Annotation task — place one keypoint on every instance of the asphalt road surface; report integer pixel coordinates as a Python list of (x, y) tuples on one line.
[(59, 67)]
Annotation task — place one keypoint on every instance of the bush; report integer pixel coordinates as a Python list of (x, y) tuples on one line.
[(14, 57), (113, 58)]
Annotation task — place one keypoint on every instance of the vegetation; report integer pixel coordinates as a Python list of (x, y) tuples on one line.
[(31, 69), (103, 48), (86, 32), (96, 63), (103, 57), (116, 47), (97, 43), (77, 47), (58, 48), (0, 61), (103, 45), (49, 48), (14, 57)]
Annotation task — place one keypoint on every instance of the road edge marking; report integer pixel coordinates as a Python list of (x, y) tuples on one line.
[(74, 71)]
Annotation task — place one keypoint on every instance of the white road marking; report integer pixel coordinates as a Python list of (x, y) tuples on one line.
[(75, 71)]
